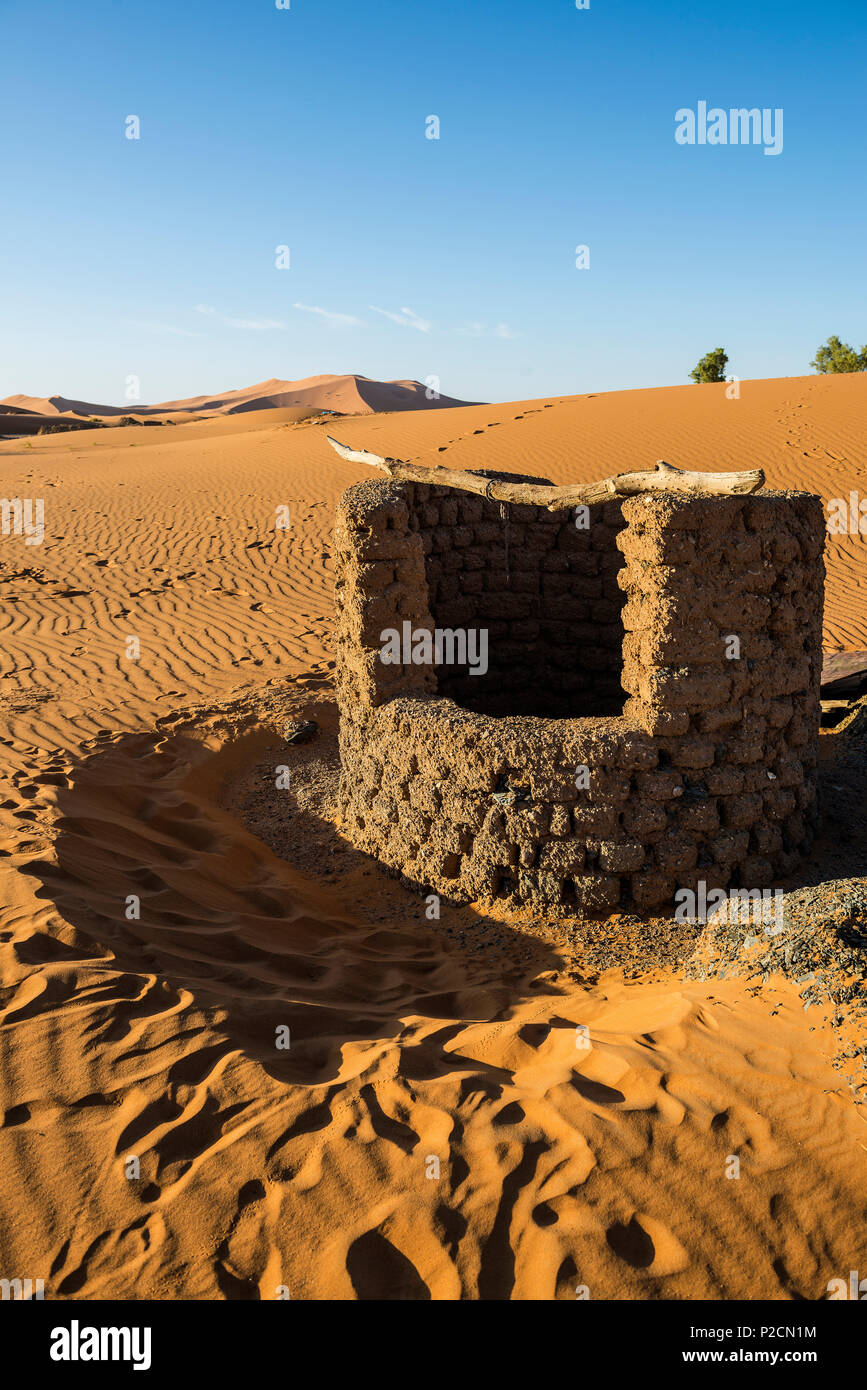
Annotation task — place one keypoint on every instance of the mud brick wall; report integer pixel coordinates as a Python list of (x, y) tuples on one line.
[(545, 591), (708, 773)]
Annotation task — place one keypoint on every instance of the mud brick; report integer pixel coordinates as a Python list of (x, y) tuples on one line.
[(505, 605), (448, 588), (491, 849), (663, 647), (756, 871), (526, 630), (552, 888), (730, 847), (610, 635), (441, 541), (610, 563), (798, 732), (790, 772), (605, 610), (462, 536), (742, 811), (456, 613), (555, 562), (602, 537), (608, 786), (712, 720), (526, 824), (651, 888), (545, 787), (585, 562), (471, 561), (766, 840), (757, 779), (480, 877), (690, 753), (562, 857), (521, 560), (556, 585), (644, 821), (699, 816), (373, 578), (674, 688), (620, 856), (661, 785), (470, 509), (525, 584), (657, 548), (596, 820), (743, 750), (656, 721), (595, 892), (758, 517), (705, 878), (779, 803), (724, 781), (537, 540), (676, 853)]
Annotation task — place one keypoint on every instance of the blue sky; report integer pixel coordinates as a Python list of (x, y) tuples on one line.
[(305, 127)]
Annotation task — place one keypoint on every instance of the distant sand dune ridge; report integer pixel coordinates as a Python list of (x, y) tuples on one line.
[(348, 395)]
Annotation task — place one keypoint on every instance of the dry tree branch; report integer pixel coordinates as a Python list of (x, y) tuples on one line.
[(558, 498)]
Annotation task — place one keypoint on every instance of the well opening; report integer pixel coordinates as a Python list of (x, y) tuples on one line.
[(540, 589)]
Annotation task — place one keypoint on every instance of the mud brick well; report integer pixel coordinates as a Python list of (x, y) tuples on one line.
[(609, 648)]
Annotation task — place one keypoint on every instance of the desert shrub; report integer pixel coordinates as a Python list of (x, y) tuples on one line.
[(835, 356), (711, 367)]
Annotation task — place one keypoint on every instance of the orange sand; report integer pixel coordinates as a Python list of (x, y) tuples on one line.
[(560, 1167)]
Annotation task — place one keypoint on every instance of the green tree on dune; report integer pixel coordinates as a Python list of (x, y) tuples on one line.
[(712, 366), (835, 356)]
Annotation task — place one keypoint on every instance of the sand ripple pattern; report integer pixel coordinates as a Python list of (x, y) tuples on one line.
[(408, 1145), (427, 1134)]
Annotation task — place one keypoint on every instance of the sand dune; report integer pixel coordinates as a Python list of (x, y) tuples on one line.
[(433, 1131), (347, 395), (20, 422)]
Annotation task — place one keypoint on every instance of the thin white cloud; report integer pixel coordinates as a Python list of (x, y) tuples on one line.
[(254, 325), (331, 315), (482, 330), (406, 318), (166, 328)]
